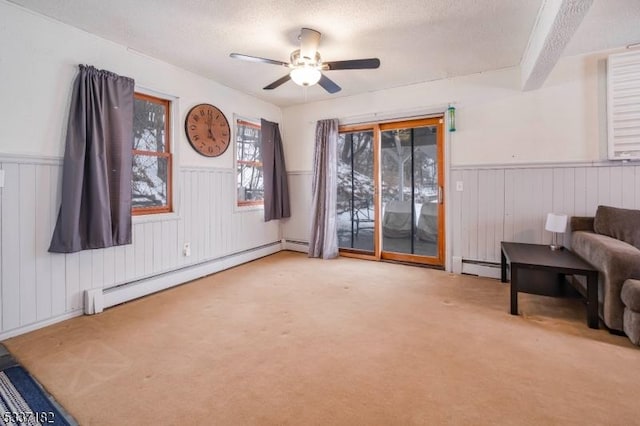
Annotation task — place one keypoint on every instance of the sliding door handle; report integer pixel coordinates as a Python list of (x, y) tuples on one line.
[(440, 195)]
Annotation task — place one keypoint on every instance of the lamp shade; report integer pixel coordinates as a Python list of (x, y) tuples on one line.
[(556, 222), (305, 75)]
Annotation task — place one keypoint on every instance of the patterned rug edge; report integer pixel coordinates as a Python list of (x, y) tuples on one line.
[(23, 400)]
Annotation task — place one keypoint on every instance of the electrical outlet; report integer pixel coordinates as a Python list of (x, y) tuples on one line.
[(186, 249), (459, 186)]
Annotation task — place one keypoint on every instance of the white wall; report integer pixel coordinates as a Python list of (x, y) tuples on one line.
[(39, 59), (38, 62), (497, 123), (563, 123)]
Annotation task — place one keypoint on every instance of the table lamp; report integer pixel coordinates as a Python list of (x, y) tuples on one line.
[(557, 224)]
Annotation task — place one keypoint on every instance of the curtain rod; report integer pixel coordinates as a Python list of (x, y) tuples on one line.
[(423, 112)]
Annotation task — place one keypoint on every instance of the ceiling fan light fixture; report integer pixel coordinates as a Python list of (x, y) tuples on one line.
[(305, 75)]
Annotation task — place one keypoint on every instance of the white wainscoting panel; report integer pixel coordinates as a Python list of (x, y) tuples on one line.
[(505, 203), (40, 287), (511, 204), (296, 228)]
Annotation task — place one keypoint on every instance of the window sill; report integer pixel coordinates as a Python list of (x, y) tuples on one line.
[(157, 217), (248, 208)]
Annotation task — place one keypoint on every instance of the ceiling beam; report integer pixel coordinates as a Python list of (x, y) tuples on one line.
[(556, 23)]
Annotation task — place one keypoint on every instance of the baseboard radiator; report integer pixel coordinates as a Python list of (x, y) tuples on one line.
[(294, 245), (475, 267), (96, 300)]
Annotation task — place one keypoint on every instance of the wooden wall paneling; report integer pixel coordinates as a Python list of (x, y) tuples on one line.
[(199, 220), (296, 228), (509, 188), (193, 215), (519, 208), (43, 238), (563, 188), (186, 220), (604, 185), (97, 268), (628, 181), (85, 260), (527, 200), (138, 244), (592, 174), (109, 267), (208, 213), (11, 247), (227, 215), (130, 254), (196, 229), (569, 184), (180, 258), (215, 215), (27, 246), (223, 218), (456, 214), (232, 241), (546, 205), (615, 186), (470, 215), (211, 247), (498, 216), (72, 281), (148, 248), (580, 191), (120, 264), (485, 196), (60, 287), (169, 253), (159, 241)]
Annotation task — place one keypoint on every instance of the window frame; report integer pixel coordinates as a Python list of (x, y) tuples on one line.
[(168, 154), (242, 204)]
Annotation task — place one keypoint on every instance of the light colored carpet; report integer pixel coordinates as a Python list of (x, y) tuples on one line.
[(290, 340)]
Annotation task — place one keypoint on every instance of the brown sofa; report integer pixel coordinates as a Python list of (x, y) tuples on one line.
[(610, 241)]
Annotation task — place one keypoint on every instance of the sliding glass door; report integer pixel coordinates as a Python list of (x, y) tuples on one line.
[(390, 202), (411, 195), (356, 192)]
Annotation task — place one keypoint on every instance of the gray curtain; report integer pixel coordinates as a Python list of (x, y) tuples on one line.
[(276, 187), (96, 176), (323, 241)]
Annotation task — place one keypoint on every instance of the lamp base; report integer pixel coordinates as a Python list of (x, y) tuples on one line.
[(555, 247)]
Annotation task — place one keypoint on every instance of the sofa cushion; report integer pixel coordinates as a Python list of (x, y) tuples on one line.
[(630, 294), (621, 224), (581, 223)]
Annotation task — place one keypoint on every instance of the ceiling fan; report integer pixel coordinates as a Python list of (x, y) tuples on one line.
[(306, 64)]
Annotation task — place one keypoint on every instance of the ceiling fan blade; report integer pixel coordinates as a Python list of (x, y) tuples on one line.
[(278, 82), (258, 59), (328, 84), (354, 64)]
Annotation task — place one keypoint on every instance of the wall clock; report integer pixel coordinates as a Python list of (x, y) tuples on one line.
[(207, 130)]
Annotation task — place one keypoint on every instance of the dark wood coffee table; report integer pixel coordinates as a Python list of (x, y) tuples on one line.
[(540, 257)]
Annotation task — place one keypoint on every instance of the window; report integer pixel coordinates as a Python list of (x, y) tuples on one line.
[(249, 163), (151, 183)]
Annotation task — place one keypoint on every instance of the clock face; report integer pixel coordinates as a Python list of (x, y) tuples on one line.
[(207, 130)]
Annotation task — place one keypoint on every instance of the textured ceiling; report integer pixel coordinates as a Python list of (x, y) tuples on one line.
[(416, 40)]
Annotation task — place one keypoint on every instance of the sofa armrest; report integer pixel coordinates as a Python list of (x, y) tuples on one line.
[(616, 261), (581, 223)]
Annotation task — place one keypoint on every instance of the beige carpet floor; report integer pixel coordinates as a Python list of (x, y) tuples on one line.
[(291, 340)]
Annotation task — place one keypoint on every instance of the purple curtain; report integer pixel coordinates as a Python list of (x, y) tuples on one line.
[(96, 176), (323, 241), (276, 187)]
